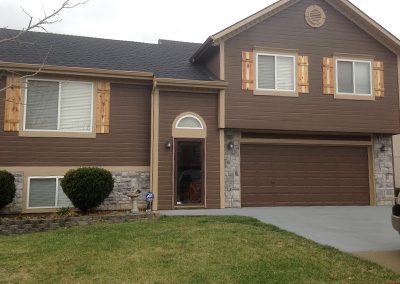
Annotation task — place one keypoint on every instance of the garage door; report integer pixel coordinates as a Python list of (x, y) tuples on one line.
[(275, 175)]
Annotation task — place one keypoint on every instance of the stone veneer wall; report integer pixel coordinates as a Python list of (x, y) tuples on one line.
[(16, 205), (383, 169), (125, 182), (232, 169)]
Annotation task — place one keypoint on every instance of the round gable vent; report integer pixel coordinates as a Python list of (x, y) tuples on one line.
[(315, 16)]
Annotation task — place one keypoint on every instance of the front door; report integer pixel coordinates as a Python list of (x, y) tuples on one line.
[(189, 172)]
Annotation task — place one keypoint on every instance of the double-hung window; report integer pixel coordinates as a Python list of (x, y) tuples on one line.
[(59, 106), (353, 77), (46, 192), (275, 72)]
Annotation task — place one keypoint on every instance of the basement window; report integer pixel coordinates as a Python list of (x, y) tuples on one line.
[(58, 106), (46, 192)]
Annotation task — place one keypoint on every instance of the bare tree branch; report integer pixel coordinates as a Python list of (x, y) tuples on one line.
[(21, 76), (46, 20)]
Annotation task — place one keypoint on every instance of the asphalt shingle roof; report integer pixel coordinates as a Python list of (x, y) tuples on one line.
[(168, 59)]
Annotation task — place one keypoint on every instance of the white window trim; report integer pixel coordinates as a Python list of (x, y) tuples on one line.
[(59, 106), (353, 61), (191, 128), (276, 77), (57, 189)]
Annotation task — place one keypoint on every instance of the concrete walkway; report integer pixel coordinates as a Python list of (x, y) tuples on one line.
[(364, 231)]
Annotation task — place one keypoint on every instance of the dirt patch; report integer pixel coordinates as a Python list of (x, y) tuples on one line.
[(388, 259)]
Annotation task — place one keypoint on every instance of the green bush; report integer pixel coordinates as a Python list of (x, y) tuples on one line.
[(87, 187), (7, 188)]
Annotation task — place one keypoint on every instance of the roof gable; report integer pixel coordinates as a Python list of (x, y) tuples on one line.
[(345, 7)]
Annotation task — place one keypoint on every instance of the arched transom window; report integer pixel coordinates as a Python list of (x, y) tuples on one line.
[(189, 125), (189, 122)]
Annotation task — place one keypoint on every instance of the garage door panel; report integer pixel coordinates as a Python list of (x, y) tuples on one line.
[(279, 175)]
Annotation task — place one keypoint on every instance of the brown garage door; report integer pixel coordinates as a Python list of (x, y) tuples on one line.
[(275, 175)]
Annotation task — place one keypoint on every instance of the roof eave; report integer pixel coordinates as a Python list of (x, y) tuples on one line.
[(64, 70), (202, 49)]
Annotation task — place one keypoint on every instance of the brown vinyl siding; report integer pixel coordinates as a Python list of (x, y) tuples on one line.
[(314, 111), (127, 144), (173, 104), (213, 64), (278, 175)]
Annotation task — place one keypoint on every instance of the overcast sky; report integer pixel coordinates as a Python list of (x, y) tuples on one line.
[(151, 20)]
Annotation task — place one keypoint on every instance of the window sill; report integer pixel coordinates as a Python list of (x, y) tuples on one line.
[(354, 97), (276, 93), (55, 134)]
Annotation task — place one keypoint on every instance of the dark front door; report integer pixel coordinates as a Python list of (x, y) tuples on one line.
[(189, 172)]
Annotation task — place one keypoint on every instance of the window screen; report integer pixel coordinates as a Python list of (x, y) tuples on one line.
[(345, 77), (266, 72), (42, 105), (42, 192)]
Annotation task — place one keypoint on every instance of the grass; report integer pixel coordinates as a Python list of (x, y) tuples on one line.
[(180, 250)]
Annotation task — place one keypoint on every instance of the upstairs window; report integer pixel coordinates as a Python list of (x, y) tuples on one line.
[(354, 77), (275, 72), (64, 106)]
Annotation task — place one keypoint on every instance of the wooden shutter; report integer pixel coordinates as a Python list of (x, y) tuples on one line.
[(378, 79), (13, 104), (303, 83), (103, 107), (248, 70), (328, 76)]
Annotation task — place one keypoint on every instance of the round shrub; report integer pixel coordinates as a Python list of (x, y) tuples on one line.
[(87, 187), (7, 188), (396, 210)]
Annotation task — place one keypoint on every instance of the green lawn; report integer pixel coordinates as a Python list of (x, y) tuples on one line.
[(180, 250)]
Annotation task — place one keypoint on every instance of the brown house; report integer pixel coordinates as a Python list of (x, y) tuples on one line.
[(295, 105)]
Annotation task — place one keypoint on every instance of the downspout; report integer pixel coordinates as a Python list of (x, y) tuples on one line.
[(154, 144)]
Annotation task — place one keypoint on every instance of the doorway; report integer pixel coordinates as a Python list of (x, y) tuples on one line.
[(189, 172)]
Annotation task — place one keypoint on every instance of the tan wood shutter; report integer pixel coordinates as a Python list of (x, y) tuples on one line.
[(328, 76), (303, 83), (13, 104), (103, 107), (378, 79), (248, 71)]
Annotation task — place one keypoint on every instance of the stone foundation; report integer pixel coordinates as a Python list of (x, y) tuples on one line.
[(15, 206), (383, 169), (232, 169), (126, 182)]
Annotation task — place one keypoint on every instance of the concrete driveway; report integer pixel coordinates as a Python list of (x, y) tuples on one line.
[(363, 231)]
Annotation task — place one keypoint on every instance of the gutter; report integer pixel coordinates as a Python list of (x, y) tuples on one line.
[(213, 85), (118, 74), (63, 70)]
